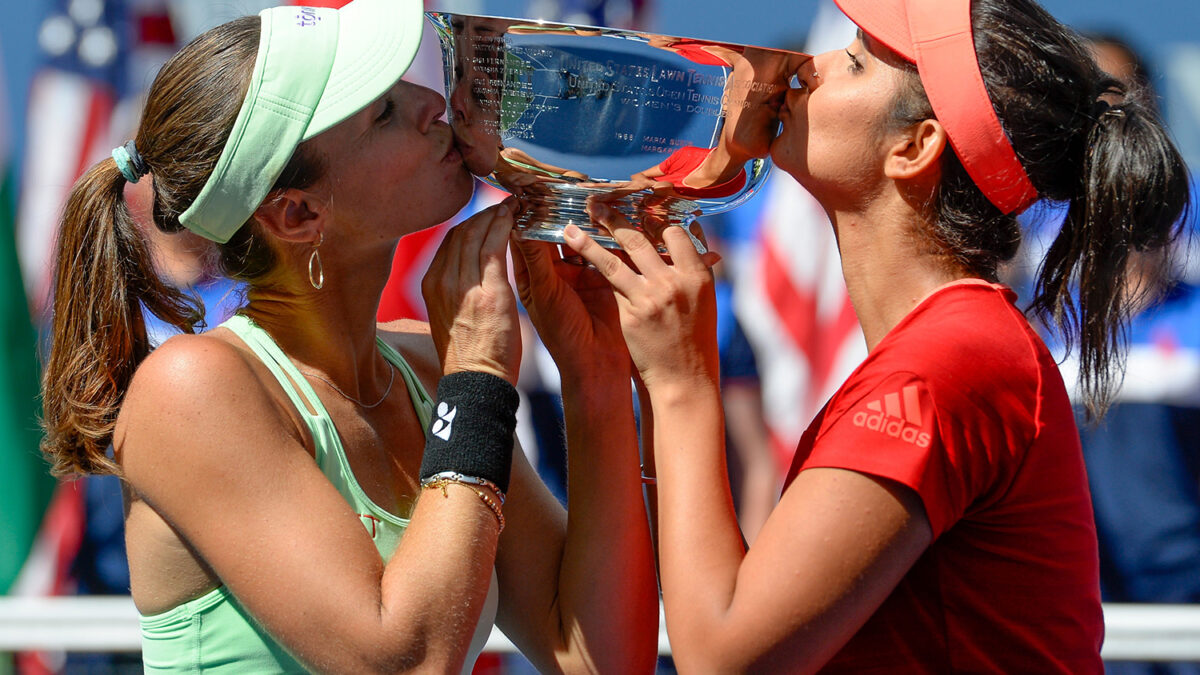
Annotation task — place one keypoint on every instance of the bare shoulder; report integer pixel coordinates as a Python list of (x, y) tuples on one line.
[(191, 391), (412, 339), (191, 370)]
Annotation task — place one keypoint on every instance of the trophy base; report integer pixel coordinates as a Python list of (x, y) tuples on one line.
[(545, 215), (553, 233)]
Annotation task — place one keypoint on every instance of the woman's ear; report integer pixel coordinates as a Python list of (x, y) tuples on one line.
[(293, 215), (918, 152)]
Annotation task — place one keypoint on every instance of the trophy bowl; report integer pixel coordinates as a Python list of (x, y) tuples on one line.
[(662, 129)]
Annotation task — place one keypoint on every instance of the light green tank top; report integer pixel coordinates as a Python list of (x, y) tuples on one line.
[(214, 633)]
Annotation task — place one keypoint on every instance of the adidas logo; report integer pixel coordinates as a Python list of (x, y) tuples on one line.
[(898, 415), (441, 426)]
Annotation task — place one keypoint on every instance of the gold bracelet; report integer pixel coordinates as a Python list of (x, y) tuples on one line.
[(491, 504), (462, 478), (483, 496)]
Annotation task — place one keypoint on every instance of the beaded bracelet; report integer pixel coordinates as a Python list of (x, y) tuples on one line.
[(456, 477), (487, 500)]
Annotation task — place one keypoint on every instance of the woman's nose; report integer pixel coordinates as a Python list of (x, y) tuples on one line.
[(809, 71), (433, 107), (458, 103)]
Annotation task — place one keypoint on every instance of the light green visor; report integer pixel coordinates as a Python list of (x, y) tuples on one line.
[(315, 67)]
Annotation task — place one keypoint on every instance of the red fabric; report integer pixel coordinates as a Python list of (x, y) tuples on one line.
[(687, 159), (694, 51), (155, 28), (488, 664), (401, 297), (963, 403)]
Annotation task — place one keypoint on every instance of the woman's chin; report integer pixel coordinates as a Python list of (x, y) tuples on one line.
[(479, 164), (463, 197), (779, 157)]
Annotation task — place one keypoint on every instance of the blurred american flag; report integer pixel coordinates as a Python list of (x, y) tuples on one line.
[(83, 45), (789, 294), (791, 301), (97, 56)]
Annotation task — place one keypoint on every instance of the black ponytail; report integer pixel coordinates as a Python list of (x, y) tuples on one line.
[(1128, 204)]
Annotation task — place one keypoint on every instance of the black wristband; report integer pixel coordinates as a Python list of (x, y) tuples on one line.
[(472, 428)]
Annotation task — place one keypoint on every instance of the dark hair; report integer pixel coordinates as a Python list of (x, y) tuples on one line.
[(1141, 76), (1114, 165), (98, 337)]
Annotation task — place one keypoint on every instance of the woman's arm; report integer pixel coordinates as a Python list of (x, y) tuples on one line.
[(578, 591), (647, 177), (649, 465), (536, 579), (599, 611), (208, 446), (829, 554), (827, 557)]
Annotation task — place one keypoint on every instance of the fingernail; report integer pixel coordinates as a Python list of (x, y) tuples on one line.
[(572, 231), (502, 211)]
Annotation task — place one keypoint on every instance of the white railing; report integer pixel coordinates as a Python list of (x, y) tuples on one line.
[(110, 624)]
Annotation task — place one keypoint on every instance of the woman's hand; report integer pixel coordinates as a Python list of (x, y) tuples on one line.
[(472, 310), (559, 575), (667, 309), (572, 307)]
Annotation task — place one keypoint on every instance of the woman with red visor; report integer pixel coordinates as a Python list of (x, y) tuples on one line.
[(936, 517)]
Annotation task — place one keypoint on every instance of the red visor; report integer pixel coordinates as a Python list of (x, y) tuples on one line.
[(936, 35)]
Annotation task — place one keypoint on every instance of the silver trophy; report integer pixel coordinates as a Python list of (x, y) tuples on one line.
[(663, 129)]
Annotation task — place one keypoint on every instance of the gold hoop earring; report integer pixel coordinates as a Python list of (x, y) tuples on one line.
[(316, 271)]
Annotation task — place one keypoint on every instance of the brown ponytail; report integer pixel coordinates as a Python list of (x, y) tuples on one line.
[(103, 276)]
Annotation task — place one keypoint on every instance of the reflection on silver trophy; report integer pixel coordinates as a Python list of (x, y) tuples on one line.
[(664, 129)]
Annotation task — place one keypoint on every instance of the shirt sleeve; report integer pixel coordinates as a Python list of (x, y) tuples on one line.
[(892, 431)]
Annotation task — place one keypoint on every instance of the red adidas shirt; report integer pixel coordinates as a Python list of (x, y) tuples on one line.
[(963, 403)]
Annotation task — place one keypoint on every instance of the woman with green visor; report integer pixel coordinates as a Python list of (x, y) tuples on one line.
[(295, 500)]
